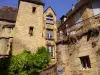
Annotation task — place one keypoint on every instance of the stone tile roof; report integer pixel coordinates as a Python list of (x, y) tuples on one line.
[(8, 13), (34, 1), (40, 1), (77, 7), (51, 9)]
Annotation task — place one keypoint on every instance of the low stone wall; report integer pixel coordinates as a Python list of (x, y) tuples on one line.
[(51, 70)]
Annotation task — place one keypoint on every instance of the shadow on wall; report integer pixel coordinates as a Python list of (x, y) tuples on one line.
[(5, 63)]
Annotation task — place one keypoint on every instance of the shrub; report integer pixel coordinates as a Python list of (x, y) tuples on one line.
[(26, 63)]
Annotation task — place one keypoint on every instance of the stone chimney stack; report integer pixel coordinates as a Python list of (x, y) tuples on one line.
[(73, 7), (78, 0)]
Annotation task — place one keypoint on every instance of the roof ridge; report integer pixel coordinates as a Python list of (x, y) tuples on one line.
[(35, 1)]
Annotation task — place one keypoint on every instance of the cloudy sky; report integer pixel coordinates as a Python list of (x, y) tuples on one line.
[(61, 7)]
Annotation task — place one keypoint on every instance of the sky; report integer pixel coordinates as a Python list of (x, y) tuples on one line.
[(61, 7)]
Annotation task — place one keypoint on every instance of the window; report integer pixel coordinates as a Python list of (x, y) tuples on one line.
[(11, 28), (78, 19), (49, 34), (61, 35), (85, 61), (33, 9), (49, 19), (51, 50), (31, 30), (96, 7)]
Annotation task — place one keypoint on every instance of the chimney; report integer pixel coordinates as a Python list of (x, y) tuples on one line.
[(73, 7), (78, 0)]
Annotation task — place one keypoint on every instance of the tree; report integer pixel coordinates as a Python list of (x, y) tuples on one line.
[(26, 63)]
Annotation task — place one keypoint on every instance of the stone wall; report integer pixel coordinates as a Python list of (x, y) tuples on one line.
[(53, 26), (50, 70), (25, 19), (69, 56), (6, 36), (6, 29)]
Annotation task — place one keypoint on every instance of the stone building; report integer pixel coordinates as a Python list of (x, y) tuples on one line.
[(7, 23), (50, 28), (78, 46), (27, 28)]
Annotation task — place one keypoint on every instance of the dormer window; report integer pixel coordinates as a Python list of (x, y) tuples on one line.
[(33, 9), (31, 30), (49, 19)]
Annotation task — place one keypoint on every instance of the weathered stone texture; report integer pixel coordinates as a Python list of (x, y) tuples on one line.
[(69, 56), (15, 37), (5, 29), (54, 28), (25, 19), (5, 37)]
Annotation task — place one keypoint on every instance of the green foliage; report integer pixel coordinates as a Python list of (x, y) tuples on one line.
[(26, 63), (4, 64), (41, 59)]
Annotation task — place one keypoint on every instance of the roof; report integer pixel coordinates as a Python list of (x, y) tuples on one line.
[(8, 13), (51, 9), (77, 7), (34, 1), (58, 23), (64, 16)]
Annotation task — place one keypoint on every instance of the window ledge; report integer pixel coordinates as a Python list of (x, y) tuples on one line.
[(97, 16), (50, 23), (86, 69), (50, 39), (52, 57)]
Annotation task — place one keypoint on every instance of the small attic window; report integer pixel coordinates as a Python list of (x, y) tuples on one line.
[(31, 30), (33, 9), (49, 19)]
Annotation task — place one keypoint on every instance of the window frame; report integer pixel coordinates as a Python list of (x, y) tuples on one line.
[(49, 18), (85, 61), (33, 9), (53, 51), (31, 28), (51, 36)]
